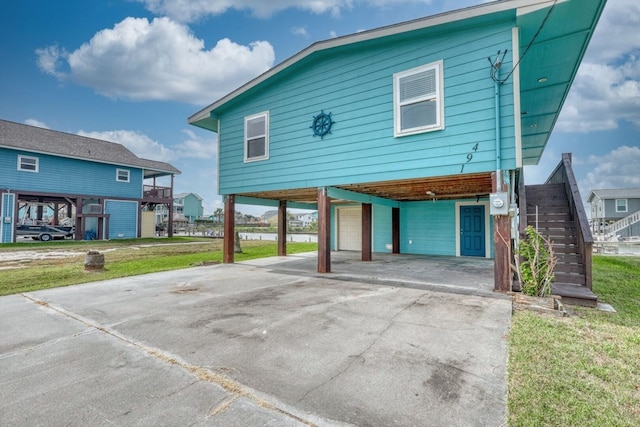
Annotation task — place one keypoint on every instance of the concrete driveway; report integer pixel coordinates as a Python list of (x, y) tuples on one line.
[(261, 343)]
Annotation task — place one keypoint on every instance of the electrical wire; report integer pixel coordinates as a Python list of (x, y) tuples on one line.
[(495, 65)]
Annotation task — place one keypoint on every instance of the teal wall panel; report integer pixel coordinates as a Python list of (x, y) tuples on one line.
[(68, 176), (123, 219), (426, 228), (356, 87), (382, 229)]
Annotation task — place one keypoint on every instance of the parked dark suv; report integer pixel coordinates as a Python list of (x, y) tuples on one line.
[(42, 232)]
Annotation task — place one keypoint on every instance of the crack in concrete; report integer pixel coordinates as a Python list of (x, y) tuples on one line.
[(359, 356), (201, 373)]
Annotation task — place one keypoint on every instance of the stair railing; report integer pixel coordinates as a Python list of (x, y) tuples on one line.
[(563, 174), (623, 223)]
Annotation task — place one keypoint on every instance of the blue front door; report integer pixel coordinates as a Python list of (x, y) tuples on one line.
[(472, 238)]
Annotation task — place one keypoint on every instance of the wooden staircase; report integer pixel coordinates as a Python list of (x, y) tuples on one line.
[(549, 211)]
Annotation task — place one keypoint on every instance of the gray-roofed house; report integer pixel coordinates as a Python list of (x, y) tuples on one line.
[(100, 187), (619, 207)]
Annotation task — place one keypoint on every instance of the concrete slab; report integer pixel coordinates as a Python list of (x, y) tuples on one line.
[(260, 343)]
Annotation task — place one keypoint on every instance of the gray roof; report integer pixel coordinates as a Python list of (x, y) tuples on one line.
[(616, 193), (17, 136), (183, 195)]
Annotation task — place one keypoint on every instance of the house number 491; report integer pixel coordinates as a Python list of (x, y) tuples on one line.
[(469, 156)]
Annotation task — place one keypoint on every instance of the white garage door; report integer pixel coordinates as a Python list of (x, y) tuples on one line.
[(350, 229)]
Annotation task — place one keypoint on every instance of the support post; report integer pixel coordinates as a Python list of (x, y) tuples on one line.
[(229, 229), (366, 231), (501, 244), (395, 230), (324, 231), (170, 213), (282, 228)]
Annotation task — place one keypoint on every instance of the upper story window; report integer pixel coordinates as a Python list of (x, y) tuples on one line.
[(28, 163), (122, 175), (418, 102), (256, 137), (621, 205)]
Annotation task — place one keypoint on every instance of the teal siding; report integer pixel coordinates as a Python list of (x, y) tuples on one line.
[(68, 176), (123, 219), (356, 86), (426, 228), (7, 209), (382, 228)]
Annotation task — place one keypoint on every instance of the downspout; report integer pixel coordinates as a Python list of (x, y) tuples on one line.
[(496, 85)]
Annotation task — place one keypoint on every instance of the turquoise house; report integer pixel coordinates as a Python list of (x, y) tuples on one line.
[(409, 138)]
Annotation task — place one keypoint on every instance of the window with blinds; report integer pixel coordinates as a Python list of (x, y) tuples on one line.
[(256, 137), (418, 101)]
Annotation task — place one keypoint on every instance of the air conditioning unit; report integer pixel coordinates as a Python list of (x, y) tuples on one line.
[(94, 208)]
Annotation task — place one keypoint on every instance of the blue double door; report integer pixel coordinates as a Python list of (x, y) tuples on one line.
[(472, 231)]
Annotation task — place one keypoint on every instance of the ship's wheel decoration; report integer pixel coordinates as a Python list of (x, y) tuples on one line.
[(322, 124)]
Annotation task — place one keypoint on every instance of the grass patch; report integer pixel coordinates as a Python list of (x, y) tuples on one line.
[(122, 259), (583, 370)]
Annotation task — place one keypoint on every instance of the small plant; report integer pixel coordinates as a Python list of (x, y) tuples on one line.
[(535, 269)]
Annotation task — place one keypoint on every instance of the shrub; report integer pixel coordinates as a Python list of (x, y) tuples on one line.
[(535, 269)]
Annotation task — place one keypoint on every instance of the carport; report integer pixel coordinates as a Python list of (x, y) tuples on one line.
[(390, 194)]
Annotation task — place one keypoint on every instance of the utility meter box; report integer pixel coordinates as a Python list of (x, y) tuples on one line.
[(498, 203)]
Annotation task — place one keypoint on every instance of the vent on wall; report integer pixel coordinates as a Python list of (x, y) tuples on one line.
[(94, 208)]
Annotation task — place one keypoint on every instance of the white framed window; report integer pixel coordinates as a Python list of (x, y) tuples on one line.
[(621, 205), (418, 102), (122, 175), (28, 164), (256, 137)]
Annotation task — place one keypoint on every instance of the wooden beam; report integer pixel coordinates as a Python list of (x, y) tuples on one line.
[(501, 247), (395, 230), (282, 228), (229, 229), (366, 231), (338, 193), (324, 231)]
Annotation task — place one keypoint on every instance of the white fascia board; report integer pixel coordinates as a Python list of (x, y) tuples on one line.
[(517, 114)]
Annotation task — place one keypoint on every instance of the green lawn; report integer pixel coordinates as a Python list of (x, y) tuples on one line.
[(122, 258), (583, 370)]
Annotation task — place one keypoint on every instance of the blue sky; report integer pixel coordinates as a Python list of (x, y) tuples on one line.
[(132, 71)]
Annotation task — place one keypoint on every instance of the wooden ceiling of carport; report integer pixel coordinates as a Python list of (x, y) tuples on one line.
[(444, 188)]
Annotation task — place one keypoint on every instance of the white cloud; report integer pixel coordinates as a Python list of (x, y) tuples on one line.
[(140, 144), (195, 146), (300, 31), (36, 123), (190, 10), (143, 146), (607, 87), (158, 60), (49, 59), (617, 169)]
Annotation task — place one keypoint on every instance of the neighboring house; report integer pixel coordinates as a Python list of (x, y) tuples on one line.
[(189, 205), (409, 138), (611, 206), (101, 187), (305, 219)]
